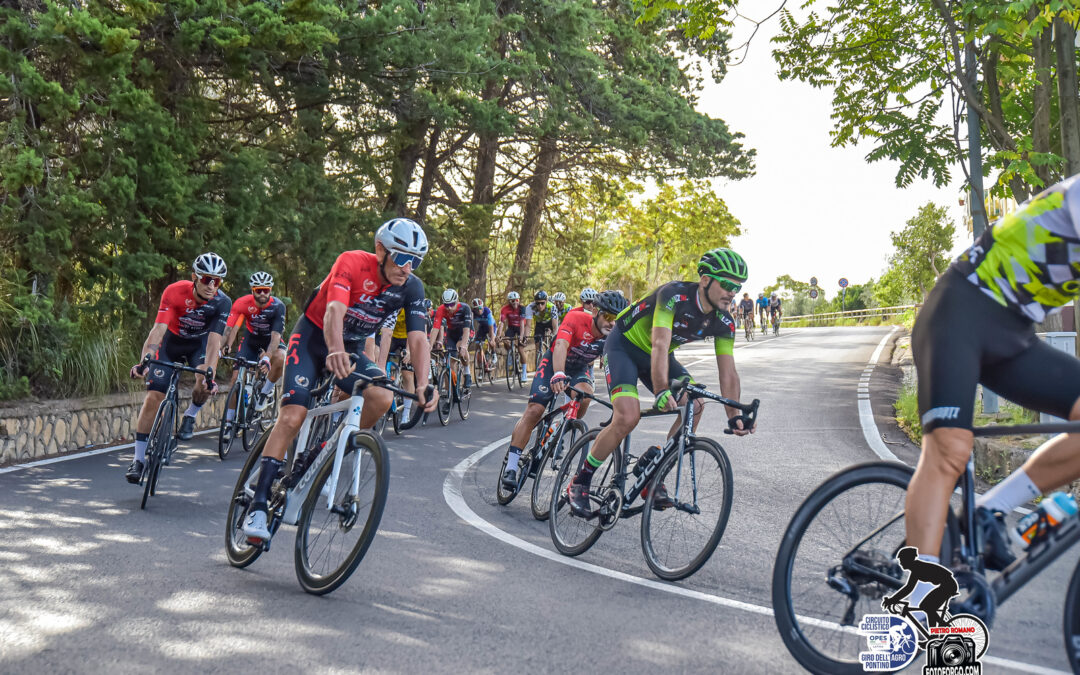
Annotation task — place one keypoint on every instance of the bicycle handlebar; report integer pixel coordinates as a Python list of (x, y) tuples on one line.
[(367, 380), (147, 360), (244, 362), (1019, 429)]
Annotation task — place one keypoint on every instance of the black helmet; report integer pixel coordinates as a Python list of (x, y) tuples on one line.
[(540, 296), (611, 302)]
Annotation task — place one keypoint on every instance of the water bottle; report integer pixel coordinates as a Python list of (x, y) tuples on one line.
[(646, 459), (1057, 508)]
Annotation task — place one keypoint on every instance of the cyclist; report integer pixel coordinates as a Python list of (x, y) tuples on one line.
[(354, 299), (559, 300), (641, 346), (543, 317), (977, 326), (588, 300), (392, 340), (513, 324), (763, 309), (776, 307), (429, 311), (746, 308), (263, 316), (457, 318), (191, 317), (483, 327), (579, 342)]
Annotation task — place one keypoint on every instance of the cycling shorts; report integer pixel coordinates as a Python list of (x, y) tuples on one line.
[(541, 385), (454, 335), (962, 337), (625, 363), (540, 330), (512, 332), (306, 361), (482, 332), (191, 352), (398, 345), (251, 346)]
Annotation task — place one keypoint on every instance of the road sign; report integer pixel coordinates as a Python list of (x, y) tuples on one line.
[(813, 294), (813, 281), (843, 282)]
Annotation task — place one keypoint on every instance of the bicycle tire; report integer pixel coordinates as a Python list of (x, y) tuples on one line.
[(548, 467), (379, 483), (572, 535), (464, 399), (160, 434), (445, 402), (508, 368), (237, 550), (503, 495), (223, 445), (795, 628), (654, 522), (1071, 624)]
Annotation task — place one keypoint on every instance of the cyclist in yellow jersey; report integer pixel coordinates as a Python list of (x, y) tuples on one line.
[(392, 338)]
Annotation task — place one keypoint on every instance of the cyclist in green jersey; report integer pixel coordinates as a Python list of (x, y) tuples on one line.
[(641, 347)]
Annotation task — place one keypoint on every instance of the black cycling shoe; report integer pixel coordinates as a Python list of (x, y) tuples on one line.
[(510, 479), (134, 471), (662, 500), (996, 551), (187, 426), (578, 496)]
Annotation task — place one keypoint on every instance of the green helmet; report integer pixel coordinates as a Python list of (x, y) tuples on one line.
[(722, 262)]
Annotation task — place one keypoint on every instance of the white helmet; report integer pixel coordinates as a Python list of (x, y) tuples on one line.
[(261, 279), (449, 296), (210, 264), (559, 297), (477, 303), (401, 235), (588, 295), (513, 295)]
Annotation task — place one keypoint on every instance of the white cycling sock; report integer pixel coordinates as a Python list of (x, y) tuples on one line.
[(512, 458), (1015, 490), (192, 410), (230, 414), (406, 407), (268, 387), (140, 450), (467, 369)]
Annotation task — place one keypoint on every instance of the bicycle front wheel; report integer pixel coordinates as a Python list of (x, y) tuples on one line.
[(227, 428), (445, 401), (1072, 621), (678, 540), (547, 469), (158, 445), (573, 535), (464, 398), (853, 523), (332, 540), (237, 549)]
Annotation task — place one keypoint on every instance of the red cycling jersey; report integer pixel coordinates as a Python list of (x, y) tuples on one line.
[(186, 316), (457, 317), (586, 343), (260, 321), (513, 317)]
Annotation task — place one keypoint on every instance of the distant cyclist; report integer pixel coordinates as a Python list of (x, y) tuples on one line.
[(263, 318), (484, 331), (763, 309), (776, 307), (746, 308), (543, 316), (513, 322), (559, 301), (453, 324), (588, 301)]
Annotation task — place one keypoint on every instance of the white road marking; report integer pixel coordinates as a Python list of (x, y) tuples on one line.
[(866, 413), (88, 453)]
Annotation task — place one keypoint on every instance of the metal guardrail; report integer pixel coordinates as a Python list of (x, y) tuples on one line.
[(826, 317)]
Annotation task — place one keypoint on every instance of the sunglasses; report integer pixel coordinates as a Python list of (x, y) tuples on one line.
[(608, 316), (210, 281), (260, 289), (728, 285), (401, 259)]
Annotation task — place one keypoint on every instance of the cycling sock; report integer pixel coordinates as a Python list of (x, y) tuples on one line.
[(230, 414), (268, 387), (1015, 490), (268, 472), (140, 446), (512, 458), (584, 476), (192, 410), (467, 369)]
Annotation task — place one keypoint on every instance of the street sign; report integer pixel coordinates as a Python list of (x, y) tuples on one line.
[(813, 294), (813, 281), (843, 282)]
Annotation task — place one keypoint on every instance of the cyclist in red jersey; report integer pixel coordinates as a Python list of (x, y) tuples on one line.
[(588, 301), (190, 320), (263, 317), (361, 290), (458, 319), (579, 342), (514, 325)]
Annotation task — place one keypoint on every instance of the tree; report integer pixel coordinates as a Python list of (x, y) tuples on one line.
[(920, 254)]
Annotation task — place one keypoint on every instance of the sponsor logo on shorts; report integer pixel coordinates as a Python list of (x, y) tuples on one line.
[(158, 372), (300, 381), (944, 413)]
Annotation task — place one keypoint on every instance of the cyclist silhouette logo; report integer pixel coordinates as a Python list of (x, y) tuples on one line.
[(935, 603)]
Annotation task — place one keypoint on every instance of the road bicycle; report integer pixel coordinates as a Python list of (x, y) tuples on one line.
[(162, 441), (837, 560), (512, 363), (543, 344), (776, 323), (693, 468), (748, 328), (333, 488), (485, 362), (556, 431), (452, 388), (247, 422)]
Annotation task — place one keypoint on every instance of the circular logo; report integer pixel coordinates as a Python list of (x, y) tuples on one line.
[(158, 372), (300, 381), (369, 285), (843, 282)]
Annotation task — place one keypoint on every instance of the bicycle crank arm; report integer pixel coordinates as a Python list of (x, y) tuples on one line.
[(688, 508)]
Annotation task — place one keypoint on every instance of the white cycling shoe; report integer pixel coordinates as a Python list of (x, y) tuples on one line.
[(255, 526)]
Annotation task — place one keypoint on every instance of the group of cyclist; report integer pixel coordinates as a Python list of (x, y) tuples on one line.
[(766, 309)]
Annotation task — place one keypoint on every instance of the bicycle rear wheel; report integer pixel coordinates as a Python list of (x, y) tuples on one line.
[(548, 466), (237, 549), (331, 541), (508, 369), (853, 521), (1072, 621), (571, 534), (679, 540), (503, 494), (464, 397), (229, 428), (160, 437)]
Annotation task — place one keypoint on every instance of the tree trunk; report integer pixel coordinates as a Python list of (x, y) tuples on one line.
[(431, 166), (1069, 104), (1040, 124), (533, 212), (410, 146)]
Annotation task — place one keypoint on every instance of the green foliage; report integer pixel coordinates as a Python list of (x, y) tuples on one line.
[(920, 254), (907, 412)]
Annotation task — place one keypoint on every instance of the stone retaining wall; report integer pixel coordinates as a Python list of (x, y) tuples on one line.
[(30, 431)]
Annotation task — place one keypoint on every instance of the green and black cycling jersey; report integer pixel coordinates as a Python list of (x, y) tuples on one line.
[(675, 306)]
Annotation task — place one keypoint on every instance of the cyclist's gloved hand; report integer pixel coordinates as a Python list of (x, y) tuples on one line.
[(664, 401), (137, 371), (559, 382), (264, 364), (225, 348), (740, 426)]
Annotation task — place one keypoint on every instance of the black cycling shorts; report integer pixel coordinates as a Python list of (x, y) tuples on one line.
[(454, 335), (541, 385), (625, 363), (251, 346), (962, 338), (482, 332), (306, 361), (512, 332), (398, 344), (191, 352)]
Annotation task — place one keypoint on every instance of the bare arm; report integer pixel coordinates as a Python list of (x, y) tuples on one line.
[(661, 341), (153, 340), (333, 333), (213, 343), (387, 334), (558, 355)]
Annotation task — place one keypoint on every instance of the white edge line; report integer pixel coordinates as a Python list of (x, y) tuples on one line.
[(80, 455), (456, 501), (866, 413)]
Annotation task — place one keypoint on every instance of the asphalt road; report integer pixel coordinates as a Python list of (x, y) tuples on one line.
[(453, 582)]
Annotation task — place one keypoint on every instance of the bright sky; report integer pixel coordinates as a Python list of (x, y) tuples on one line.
[(810, 210)]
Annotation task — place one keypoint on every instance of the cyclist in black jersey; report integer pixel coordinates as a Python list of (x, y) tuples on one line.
[(641, 346)]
